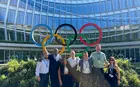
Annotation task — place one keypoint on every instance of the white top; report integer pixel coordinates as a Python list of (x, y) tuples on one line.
[(86, 68), (57, 57), (42, 67), (73, 62)]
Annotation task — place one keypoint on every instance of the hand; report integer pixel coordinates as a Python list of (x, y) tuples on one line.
[(60, 83), (38, 78), (119, 82)]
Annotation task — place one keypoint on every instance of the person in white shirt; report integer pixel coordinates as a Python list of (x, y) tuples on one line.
[(42, 70), (86, 71), (73, 62)]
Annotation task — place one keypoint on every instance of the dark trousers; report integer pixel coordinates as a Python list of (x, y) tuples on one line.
[(113, 83), (98, 77), (54, 81), (44, 80), (67, 81)]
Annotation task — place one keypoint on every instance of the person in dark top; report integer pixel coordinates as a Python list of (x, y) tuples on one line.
[(64, 75), (54, 65), (113, 75)]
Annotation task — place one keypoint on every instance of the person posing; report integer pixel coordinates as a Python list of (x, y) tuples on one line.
[(99, 59), (42, 70), (64, 74), (86, 71), (54, 65), (113, 74), (73, 62)]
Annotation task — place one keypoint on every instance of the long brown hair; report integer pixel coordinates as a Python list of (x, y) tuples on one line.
[(114, 61)]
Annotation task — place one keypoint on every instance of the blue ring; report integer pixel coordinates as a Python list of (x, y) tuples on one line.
[(49, 40)]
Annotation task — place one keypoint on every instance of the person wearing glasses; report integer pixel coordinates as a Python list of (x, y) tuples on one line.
[(42, 70), (113, 74), (99, 60)]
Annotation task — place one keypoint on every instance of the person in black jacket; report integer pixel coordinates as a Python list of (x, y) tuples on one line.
[(113, 75), (54, 65)]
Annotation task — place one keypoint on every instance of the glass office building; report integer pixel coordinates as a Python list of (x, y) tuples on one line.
[(119, 20)]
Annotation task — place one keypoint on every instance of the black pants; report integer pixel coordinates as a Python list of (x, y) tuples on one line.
[(54, 81), (44, 80), (113, 82), (67, 81)]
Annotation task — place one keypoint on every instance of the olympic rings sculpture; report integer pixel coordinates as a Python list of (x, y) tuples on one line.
[(48, 39)]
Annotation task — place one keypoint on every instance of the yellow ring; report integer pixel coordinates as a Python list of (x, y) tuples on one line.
[(56, 35)]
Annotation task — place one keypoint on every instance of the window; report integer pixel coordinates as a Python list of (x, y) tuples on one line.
[(110, 21), (13, 2), (38, 7), (43, 19), (57, 6), (79, 23), (123, 4), (132, 15), (130, 3), (2, 14), (50, 18), (125, 18), (117, 20), (20, 36), (102, 7), (62, 20), (36, 19), (28, 19), (116, 4), (20, 17), (56, 24), (74, 8), (30, 4), (2, 34), (51, 7), (44, 8), (74, 23), (11, 16), (22, 4), (3, 1), (96, 8), (11, 35), (108, 6)]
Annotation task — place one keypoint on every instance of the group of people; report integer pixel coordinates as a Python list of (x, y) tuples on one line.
[(76, 72)]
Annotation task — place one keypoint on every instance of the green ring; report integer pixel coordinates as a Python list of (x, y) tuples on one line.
[(71, 37)]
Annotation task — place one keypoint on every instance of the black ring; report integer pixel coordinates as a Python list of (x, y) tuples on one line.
[(75, 37)]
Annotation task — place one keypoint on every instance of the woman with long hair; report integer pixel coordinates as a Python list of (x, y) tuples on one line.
[(113, 74)]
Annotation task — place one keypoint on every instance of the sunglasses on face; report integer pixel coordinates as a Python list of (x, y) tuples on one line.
[(111, 60)]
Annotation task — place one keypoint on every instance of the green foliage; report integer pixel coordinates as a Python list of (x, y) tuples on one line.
[(13, 65), (129, 76), (22, 74)]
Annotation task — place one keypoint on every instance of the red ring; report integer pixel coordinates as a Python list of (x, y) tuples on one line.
[(100, 34)]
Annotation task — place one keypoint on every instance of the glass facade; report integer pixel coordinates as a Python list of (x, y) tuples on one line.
[(119, 20)]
